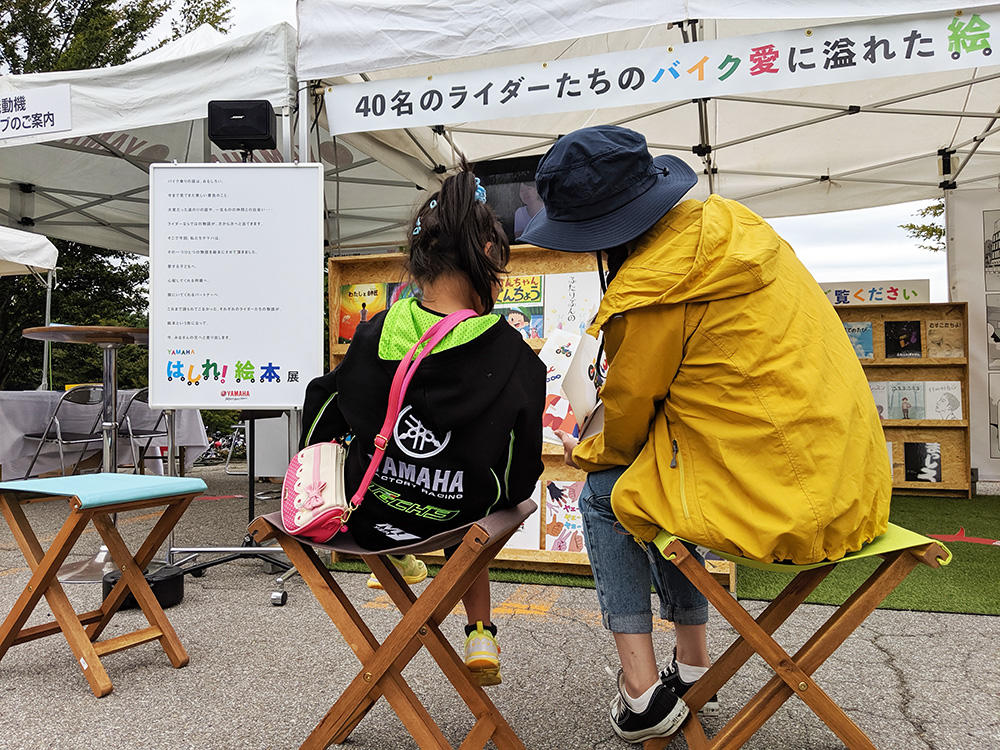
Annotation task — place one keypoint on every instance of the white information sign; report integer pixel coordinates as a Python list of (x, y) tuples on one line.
[(34, 111), (855, 293), (769, 61), (236, 284)]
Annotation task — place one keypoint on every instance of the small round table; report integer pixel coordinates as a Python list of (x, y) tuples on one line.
[(110, 339)]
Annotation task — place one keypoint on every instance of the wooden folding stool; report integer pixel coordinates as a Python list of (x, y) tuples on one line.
[(901, 551), (93, 497), (382, 663)]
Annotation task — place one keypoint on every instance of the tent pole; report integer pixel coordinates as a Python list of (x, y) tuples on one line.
[(46, 351)]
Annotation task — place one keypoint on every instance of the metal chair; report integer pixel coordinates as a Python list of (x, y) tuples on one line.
[(71, 401), (136, 435)]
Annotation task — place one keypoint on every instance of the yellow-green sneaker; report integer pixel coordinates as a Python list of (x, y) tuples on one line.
[(413, 570), (482, 655)]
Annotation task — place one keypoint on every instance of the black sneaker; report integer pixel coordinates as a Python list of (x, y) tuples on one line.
[(671, 679), (663, 715)]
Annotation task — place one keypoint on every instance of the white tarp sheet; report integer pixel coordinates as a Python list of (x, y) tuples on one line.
[(20, 252), (337, 37), (810, 149), (90, 184)]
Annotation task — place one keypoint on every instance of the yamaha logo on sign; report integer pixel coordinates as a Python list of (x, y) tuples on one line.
[(414, 439)]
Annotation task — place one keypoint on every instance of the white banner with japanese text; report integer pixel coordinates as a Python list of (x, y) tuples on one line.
[(236, 284), (35, 111), (856, 293), (772, 61)]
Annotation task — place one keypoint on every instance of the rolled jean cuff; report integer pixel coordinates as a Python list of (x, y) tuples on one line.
[(685, 615), (634, 622)]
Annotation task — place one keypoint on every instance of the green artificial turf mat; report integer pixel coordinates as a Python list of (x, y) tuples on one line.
[(968, 584)]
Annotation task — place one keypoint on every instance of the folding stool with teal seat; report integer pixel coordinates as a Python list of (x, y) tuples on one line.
[(901, 550), (93, 497)]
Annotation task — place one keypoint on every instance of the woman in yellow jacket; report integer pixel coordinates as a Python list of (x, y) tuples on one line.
[(737, 415)]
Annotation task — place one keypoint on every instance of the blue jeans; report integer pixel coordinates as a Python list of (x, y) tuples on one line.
[(624, 569)]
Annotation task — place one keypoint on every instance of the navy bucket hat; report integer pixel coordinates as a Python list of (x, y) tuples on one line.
[(601, 188)]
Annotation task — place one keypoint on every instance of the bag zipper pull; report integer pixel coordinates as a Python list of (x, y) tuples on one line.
[(673, 458)]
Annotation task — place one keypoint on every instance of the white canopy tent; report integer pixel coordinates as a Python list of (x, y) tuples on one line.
[(90, 184), (795, 151), (25, 252)]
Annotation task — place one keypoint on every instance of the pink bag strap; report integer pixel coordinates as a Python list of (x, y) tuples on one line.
[(404, 374)]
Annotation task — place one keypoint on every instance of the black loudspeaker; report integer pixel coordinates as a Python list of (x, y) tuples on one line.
[(167, 584), (242, 125)]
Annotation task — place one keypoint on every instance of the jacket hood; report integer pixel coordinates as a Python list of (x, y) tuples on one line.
[(699, 251), (465, 373)]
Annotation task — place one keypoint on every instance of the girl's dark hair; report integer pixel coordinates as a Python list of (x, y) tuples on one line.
[(454, 229)]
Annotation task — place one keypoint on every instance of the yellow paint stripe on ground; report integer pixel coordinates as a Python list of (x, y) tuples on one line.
[(12, 571), (528, 600)]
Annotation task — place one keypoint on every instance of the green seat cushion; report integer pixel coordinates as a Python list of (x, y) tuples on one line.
[(97, 490), (895, 538)]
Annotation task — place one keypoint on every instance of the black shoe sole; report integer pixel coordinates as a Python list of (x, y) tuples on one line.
[(665, 728)]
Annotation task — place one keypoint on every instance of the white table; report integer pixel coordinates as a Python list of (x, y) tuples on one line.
[(23, 412)]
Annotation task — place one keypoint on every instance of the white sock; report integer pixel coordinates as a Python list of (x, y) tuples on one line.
[(641, 703), (690, 674)]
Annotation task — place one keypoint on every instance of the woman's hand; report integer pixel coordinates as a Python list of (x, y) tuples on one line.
[(569, 443)]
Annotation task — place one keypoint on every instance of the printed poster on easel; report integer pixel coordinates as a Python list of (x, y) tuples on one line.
[(236, 284)]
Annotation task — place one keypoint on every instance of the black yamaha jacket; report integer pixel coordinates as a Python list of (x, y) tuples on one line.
[(469, 435)]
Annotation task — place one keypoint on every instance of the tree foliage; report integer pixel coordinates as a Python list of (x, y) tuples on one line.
[(931, 233), (96, 287), (37, 36)]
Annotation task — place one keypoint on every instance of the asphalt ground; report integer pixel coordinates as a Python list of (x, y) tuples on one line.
[(262, 676)]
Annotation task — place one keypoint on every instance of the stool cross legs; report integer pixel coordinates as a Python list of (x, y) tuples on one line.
[(93, 498), (382, 663), (901, 551)]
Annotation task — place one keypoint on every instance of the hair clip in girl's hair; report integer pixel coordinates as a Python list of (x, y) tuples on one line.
[(434, 204), (416, 228), (480, 192)]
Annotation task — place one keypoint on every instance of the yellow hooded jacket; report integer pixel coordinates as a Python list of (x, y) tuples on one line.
[(734, 396)]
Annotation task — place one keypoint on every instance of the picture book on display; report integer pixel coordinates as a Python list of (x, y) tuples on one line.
[(945, 338), (905, 400), (922, 462), (529, 533), (880, 392), (521, 302), (860, 336), (571, 301), (557, 356), (902, 338), (943, 399), (358, 304), (563, 522)]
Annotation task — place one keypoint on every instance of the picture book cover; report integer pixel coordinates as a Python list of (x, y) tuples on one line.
[(922, 462), (557, 355), (892, 471), (880, 392), (521, 302), (902, 338), (943, 399), (400, 290), (906, 400), (860, 336), (528, 534), (563, 522), (571, 301), (358, 304), (945, 338)]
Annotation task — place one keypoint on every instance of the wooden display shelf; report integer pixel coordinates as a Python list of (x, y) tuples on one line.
[(951, 435)]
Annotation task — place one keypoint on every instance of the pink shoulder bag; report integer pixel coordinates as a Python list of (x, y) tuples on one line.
[(314, 501)]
